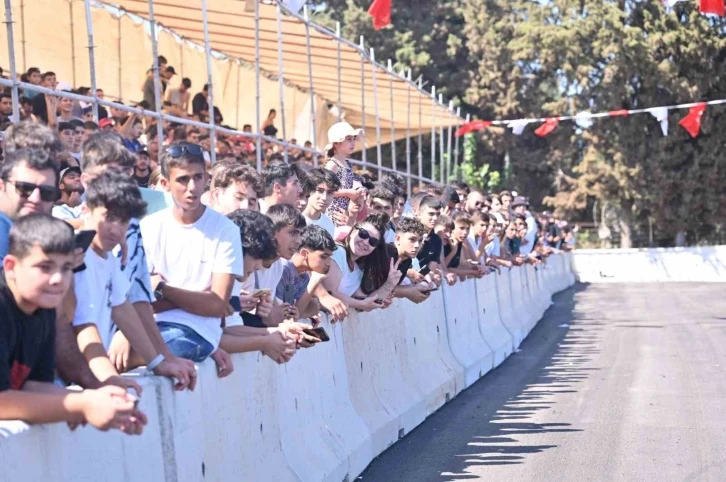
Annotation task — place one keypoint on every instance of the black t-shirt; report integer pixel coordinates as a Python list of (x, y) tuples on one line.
[(27, 343), (199, 103), (405, 264), (430, 251), (456, 260)]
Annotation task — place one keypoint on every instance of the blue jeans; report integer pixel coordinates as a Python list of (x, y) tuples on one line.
[(184, 342)]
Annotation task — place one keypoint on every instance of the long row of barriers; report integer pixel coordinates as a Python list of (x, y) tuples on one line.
[(698, 264), (322, 417)]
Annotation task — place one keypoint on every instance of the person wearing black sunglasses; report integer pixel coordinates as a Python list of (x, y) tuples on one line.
[(363, 275), (28, 185)]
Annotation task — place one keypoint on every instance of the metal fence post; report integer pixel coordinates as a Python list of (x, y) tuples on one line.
[(212, 108), (281, 80), (310, 84), (420, 133), (340, 68), (364, 157), (91, 57), (433, 135), (11, 57), (378, 116), (456, 149), (157, 80), (408, 135), (394, 163)]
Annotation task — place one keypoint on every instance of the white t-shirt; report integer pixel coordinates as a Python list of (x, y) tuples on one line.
[(474, 243), (187, 256), (530, 236), (351, 280), (494, 247), (99, 288), (324, 222), (64, 211), (269, 278)]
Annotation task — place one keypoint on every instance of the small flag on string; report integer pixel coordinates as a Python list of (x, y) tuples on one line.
[(472, 126), (661, 115), (692, 122), (712, 6), (518, 126), (380, 10), (619, 113), (548, 126)]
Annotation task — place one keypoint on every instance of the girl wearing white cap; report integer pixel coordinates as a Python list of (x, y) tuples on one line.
[(341, 143)]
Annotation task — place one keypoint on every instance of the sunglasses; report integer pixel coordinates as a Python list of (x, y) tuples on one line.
[(366, 235), (26, 189), (178, 150)]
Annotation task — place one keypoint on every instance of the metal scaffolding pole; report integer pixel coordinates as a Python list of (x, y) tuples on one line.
[(281, 80), (408, 136), (393, 125), (22, 33), (420, 134), (442, 146), (363, 97), (449, 160), (456, 148), (310, 82), (181, 56), (73, 45), (257, 95), (378, 117), (340, 68), (208, 54), (120, 63), (11, 58), (157, 80), (91, 57), (433, 135), (258, 101)]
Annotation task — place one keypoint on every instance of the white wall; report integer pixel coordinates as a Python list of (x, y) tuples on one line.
[(322, 417), (706, 264)]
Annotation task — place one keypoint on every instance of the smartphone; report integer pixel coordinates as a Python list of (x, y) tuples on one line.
[(132, 391), (84, 239), (378, 301), (474, 262), (318, 333), (288, 294), (429, 291)]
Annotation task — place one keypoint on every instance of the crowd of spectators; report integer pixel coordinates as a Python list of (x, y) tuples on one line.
[(92, 286)]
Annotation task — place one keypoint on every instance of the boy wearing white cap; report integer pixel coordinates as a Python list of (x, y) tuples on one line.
[(341, 143)]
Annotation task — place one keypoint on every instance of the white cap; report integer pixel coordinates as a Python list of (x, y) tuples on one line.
[(62, 85), (338, 132)]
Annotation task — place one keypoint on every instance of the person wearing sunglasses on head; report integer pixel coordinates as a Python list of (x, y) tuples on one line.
[(28, 185), (363, 275)]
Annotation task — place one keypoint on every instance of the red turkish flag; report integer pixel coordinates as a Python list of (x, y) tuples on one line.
[(548, 126), (380, 10), (712, 6), (472, 126), (692, 122)]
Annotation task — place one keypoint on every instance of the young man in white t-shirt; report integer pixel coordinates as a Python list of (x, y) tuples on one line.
[(381, 200), (194, 254), (320, 186), (102, 151), (112, 199)]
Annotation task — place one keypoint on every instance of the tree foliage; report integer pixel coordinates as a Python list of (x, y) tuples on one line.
[(504, 59)]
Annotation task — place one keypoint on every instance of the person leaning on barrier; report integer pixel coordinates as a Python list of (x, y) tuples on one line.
[(36, 274), (281, 184), (404, 249), (191, 293), (320, 186), (364, 276), (258, 245)]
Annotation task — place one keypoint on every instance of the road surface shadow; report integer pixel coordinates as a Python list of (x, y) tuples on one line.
[(488, 424)]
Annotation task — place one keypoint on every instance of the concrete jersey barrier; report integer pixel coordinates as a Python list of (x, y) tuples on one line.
[(701, 264), (321, 417)]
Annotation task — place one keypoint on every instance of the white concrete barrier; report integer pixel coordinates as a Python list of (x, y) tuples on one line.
[(465, 338), (507, 314), (496, 335), (322, 417), (700, 264)]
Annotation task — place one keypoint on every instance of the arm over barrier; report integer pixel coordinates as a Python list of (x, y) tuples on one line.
[(321, 417)]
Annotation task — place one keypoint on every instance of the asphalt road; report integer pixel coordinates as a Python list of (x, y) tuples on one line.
[(618, 382)]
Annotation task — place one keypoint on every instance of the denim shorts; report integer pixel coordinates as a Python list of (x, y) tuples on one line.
[(183, 342)]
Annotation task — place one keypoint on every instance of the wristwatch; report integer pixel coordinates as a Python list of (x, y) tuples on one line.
[(159, 291)]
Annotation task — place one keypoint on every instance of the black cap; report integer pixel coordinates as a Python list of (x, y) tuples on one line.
[(170, 70), (70, 169)]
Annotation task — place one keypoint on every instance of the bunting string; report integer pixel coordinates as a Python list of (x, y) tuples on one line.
[(692, 122)]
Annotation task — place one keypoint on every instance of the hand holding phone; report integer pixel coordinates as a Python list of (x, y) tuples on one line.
[(318, 333), (83, 239)]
